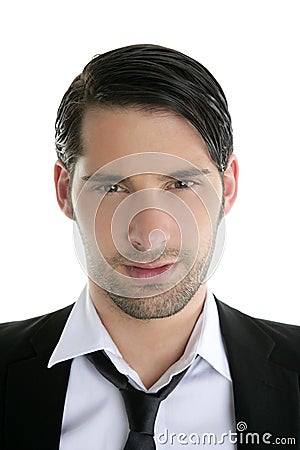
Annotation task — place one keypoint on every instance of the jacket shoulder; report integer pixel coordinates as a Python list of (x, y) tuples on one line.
[(286, 337), (16, 335)]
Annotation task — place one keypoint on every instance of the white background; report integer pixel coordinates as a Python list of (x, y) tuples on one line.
[(252, 48)]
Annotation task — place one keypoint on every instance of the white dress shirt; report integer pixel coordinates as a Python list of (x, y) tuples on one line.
[(94, 414)]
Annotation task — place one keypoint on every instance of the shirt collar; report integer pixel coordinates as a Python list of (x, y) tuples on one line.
[(84, 333), (210, 345)]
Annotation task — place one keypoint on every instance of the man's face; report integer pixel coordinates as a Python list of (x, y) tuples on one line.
[(147, 202)]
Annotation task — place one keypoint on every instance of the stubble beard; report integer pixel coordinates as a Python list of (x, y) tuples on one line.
[(165, 304)]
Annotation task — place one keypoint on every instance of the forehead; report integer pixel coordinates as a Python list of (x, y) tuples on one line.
[(113, 134)]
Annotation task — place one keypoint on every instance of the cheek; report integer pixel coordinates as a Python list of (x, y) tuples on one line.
[(201, 233), (103, 230), (94, 221), (205, 211)]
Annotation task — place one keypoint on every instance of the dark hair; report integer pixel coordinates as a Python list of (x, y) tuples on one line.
[(148, 77)]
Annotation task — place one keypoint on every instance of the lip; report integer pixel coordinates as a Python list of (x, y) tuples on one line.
[(148, 270)]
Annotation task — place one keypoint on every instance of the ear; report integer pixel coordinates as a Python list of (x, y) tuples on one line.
[(62, 181), (231, 175)]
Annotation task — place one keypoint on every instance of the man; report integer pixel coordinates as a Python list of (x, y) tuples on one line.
[(147, 357)]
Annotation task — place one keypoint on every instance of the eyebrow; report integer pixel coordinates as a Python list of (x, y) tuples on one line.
[(111, 178)]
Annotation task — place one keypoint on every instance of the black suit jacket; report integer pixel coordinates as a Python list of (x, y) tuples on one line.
[(264, 359)]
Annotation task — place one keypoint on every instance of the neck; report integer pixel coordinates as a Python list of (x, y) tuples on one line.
[(150, 347)]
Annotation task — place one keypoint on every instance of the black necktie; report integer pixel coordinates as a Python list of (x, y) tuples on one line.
[(141, 407)]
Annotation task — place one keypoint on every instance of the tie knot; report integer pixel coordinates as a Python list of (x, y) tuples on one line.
[(141, 410)]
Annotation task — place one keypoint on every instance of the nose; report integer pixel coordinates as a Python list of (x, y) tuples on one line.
[(150, 229)]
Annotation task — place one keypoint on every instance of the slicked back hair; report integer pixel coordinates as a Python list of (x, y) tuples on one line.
[(147, 77)]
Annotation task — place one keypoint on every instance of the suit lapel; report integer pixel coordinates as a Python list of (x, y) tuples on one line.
[(265, 392), (34, 391)]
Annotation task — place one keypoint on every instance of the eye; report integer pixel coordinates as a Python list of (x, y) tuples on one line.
[(180, 184), (111, 188)]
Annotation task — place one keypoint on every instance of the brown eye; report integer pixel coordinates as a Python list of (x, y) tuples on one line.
[(113, 188), (110, 188), (179, 184)]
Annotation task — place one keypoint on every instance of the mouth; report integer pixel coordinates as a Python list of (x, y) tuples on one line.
[(147, 270)]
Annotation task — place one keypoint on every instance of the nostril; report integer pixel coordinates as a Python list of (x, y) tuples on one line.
[(154, 241), (138, 245)]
